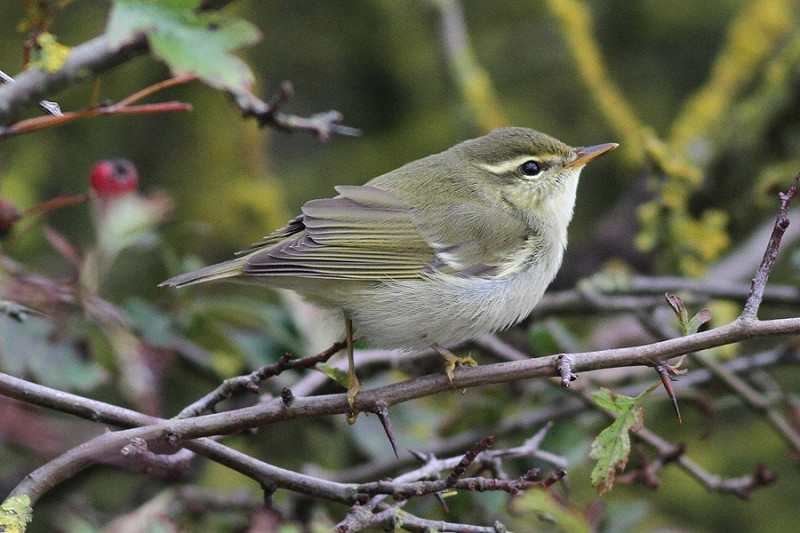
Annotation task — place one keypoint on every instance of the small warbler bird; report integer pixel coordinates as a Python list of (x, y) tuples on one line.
[(438, 251)]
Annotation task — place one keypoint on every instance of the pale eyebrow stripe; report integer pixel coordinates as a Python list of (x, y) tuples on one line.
[(513, 164)]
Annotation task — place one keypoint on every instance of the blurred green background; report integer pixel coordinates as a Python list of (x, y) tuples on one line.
[(383, 65)]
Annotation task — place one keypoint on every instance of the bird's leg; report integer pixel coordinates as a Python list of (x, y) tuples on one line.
[(451, 360), (353, 385)]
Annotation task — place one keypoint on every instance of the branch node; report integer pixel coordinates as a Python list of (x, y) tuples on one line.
[(287, 396), (674, 454), (172, 439), (564, 369), (323, 125), (136, 446)]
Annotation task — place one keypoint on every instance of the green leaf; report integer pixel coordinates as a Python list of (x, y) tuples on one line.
[(29, 348), (336, 374), (612, 401), (190, 42), (697, 321), (612, 447)]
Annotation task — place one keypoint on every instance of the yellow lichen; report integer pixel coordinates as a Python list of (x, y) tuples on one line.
[(752, 37), (577, 29), (51, 54), (15, 514)]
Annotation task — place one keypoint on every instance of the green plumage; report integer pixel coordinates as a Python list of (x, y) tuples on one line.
[(438, 250)]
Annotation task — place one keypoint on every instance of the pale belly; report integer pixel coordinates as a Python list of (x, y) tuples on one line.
[(413, 314)]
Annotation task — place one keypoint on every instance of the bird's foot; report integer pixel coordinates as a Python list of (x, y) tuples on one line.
[(353, 388), (451, 360)]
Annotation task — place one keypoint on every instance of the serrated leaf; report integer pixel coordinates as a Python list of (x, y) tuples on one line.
[(612, 401), (336, 374), (612, 448), (190, 42)]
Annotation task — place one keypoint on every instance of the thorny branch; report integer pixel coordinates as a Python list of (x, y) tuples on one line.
[(50, 108), (84, 62), (181, 431), (324, 125), (250, 381)]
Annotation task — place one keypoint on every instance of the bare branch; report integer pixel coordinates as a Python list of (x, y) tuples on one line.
[(323, 125), (249, 382), (741, 486), (760, 280), (467, 460)]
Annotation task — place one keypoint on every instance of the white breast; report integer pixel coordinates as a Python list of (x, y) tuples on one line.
[(446, 309)]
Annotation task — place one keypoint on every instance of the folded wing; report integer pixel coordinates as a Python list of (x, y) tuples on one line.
[(364, 233)]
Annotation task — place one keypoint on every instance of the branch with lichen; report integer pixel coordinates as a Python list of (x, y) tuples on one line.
[(576, 25), (474, 84), (756, 33), (680, 160)]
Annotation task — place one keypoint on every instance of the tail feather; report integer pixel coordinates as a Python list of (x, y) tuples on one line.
[(227, 269)]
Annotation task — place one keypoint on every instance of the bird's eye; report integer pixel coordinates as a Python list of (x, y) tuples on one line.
[(530, 168)]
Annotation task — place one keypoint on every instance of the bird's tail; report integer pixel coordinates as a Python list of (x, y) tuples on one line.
[(227, 269)]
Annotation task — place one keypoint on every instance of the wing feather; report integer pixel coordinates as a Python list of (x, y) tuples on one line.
[(364, 233)]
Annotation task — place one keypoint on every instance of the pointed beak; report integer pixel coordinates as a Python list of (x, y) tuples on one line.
[(584, 155)]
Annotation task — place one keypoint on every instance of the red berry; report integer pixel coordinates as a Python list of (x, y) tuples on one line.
[(9, 214), (114, 177)]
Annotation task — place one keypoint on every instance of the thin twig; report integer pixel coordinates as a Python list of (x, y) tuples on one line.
[(154, 88), (741, 486), (757, 401), (323, 125), (40, 123), (750, 310), (249, 382), (467, 460)]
